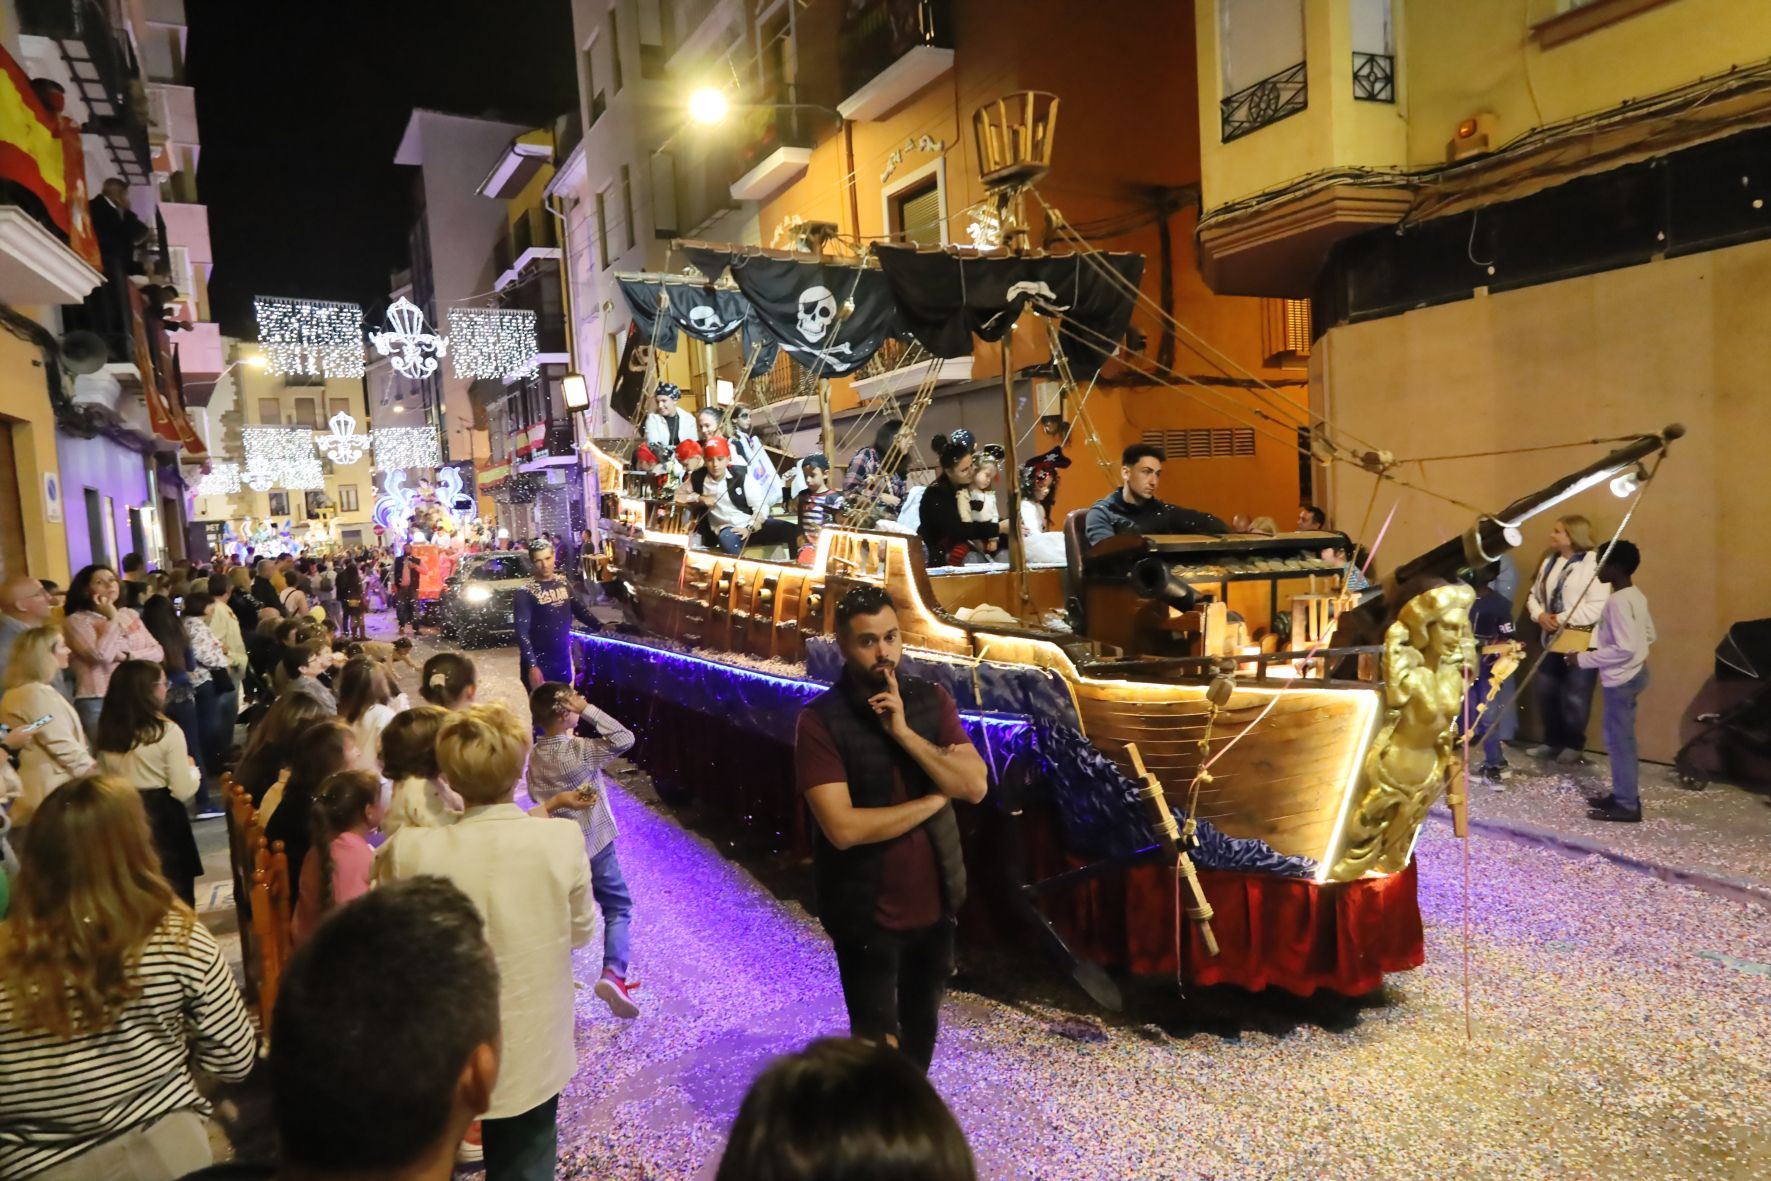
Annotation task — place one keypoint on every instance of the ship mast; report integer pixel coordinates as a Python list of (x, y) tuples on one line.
[(1014, 142)]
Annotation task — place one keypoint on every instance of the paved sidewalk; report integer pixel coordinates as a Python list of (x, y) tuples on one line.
[(1718, 838)]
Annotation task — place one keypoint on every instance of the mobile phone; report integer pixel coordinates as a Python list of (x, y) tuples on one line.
[(36, 725)]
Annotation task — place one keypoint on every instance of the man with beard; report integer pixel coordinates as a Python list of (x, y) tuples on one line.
[(880, 759), (544, 607)]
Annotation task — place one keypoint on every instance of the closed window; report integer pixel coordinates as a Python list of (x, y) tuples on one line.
[(307, 412), (627, 202), (916, 213), (602, 229), (337, 406), (270, 412), (347, 498), (615, 50)]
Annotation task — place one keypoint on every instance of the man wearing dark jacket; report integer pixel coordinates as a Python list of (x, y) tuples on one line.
[(264, 591), (1133, 508), (880, 759)]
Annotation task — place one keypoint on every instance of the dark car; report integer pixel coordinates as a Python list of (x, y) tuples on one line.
[(476, 603)]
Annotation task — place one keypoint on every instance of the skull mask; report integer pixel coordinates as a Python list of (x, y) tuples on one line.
[(817, 313), (703, 319)]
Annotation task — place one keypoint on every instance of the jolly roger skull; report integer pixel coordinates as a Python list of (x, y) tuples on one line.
[(703, 319), (817, 313)]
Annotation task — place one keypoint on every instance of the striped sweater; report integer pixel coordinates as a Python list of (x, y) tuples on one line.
[(60, 1098)]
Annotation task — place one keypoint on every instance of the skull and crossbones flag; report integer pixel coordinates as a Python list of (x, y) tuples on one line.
[(945, 299), (629, 389), (705, 312), (828, 316)]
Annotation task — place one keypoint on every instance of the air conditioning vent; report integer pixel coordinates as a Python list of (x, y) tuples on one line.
[(1228, 442)]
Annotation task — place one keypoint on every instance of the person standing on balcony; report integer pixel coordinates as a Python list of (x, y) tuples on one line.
[(118, 230)]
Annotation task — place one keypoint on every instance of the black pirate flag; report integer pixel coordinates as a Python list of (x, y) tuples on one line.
[(705, 312), (629, 389), (801, 304), (945, 299)]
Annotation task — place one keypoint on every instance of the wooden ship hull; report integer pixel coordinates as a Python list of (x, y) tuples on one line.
[(1285, 756)]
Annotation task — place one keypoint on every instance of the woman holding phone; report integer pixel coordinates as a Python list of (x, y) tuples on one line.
[(55, 751), (102, 635)]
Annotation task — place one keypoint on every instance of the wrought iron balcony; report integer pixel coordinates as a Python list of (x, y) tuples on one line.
[(877, 34), (1374, 77), (1267, 101), (104, 71)]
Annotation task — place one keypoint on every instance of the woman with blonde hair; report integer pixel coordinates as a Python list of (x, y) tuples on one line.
[(111, 992), (57, 751), (1566, 601)]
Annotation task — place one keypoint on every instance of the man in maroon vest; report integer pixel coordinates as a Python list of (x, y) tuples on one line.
[(880, 759)]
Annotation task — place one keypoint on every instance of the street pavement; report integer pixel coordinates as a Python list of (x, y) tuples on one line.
[(1596, 1003)]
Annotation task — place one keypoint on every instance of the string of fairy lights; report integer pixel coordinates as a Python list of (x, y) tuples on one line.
[(325, 339)]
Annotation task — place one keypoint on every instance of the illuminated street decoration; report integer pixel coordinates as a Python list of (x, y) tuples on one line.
[(413, 350), (393, 508), (344, 445), (223, 480), (398, 447), (310, 336), (281, 457), (493, 342)]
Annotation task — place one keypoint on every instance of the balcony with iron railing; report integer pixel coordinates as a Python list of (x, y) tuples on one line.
[(1265, 102), (531, 236), (887, 50), (103, 71)]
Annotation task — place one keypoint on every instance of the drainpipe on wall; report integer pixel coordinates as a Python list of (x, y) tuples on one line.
[(587, 473)]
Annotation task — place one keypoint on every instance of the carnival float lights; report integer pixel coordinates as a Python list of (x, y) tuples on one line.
[(399, 447), (407, 343), (498, 343), (343, 445), (311, 337)]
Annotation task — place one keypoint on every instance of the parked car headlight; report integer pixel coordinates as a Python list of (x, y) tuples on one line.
[(476, 594)]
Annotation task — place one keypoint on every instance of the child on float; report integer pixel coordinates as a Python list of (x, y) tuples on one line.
[(565, 763), (346, 812)]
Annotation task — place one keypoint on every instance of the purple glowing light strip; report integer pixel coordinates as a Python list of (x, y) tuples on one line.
[(1003, 724)]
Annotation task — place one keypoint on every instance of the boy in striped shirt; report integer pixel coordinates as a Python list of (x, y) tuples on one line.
[(565, 761)]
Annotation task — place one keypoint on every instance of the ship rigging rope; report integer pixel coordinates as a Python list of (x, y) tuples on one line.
[(1516, 450), (1204, 348), (1383, 471)]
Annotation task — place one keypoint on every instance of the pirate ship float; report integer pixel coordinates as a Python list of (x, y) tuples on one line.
[(1150, 735)]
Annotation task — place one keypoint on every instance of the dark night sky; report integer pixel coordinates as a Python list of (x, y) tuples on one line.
[(301, 107)]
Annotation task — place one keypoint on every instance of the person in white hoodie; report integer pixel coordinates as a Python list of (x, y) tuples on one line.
[(1620, 654), (1565, 595)]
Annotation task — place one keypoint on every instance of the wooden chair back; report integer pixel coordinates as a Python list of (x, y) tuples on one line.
[(271, 921)]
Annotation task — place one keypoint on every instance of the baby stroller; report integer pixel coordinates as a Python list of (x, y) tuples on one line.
[(1734, 744)]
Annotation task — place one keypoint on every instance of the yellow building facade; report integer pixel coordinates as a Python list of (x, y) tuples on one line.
[(1544, 228)]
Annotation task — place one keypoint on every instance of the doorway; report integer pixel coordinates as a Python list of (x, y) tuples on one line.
[(12, 516)]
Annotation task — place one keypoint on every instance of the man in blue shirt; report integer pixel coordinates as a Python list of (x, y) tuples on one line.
[(544, 608)]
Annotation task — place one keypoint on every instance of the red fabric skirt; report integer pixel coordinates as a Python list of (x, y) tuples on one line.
[(1272, 932)]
